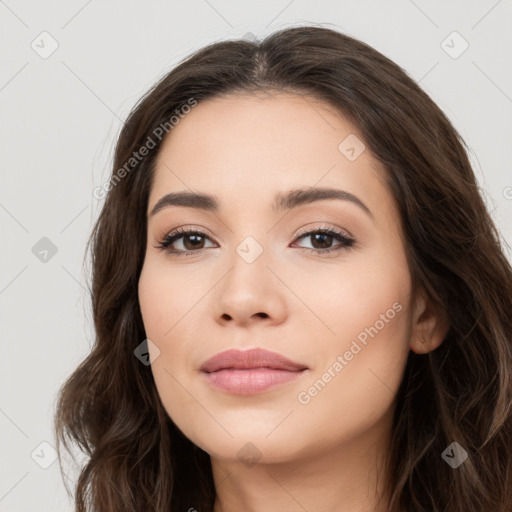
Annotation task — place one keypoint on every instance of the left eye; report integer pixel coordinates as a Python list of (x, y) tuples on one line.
[(325, 237), (193, 240)]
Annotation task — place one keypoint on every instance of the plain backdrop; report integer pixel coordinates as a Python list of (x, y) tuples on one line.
[(70, 73)]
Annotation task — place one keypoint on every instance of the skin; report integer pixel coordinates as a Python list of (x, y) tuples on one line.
[(327, 454)]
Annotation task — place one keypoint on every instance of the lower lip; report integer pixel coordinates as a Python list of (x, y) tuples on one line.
[(250, 381)]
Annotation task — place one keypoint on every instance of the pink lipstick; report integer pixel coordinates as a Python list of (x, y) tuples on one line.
[(248, 372)]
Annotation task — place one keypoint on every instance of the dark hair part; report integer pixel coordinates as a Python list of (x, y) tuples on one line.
[(462, 391)]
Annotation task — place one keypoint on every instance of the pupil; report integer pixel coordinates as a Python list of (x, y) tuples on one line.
[(324, 235), (194, 245)]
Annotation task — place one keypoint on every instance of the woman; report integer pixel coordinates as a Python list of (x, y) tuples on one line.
[(300, 299)]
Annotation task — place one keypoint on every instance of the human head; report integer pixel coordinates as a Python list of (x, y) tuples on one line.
[(450, 246)]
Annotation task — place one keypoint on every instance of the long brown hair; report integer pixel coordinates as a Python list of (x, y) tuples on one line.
[(137, 459)]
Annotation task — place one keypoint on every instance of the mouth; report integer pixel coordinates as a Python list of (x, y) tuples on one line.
[(251, 371)]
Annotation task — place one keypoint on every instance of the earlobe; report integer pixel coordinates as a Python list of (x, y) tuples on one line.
[(422, 345)]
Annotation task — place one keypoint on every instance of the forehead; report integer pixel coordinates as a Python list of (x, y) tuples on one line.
[(250, 147)]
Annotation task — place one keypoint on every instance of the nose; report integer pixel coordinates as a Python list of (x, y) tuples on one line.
[(250, 293)]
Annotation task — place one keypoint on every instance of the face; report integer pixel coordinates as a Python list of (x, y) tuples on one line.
[(324, 282)]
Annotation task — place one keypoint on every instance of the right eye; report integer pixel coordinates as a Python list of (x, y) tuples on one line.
[(191, 236)]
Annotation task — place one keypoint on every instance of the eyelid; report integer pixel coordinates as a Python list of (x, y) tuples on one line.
[(322, 225), (185, 227)]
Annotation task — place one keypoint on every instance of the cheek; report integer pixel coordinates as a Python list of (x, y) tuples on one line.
[(150, 299), (170, 293), (362, 359), (367, 290), (354, 387), (162, 298), (163, 312)]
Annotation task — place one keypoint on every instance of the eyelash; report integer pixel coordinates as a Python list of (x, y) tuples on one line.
[(346, 242)]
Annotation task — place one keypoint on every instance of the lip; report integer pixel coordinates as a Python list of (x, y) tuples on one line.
[(247, 372), (249, 359)]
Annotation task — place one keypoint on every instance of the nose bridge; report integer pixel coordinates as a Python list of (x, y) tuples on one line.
[(252, 241), (249, 263), (249, 288)]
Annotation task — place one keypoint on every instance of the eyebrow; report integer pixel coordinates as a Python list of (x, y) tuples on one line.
[(283, 201)]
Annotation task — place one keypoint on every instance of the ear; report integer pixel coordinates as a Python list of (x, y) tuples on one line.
[(429, 326)]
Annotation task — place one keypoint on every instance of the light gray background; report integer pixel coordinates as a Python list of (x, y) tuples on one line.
[(59, 120)]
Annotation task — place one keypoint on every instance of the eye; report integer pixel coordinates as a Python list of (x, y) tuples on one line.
[(323, 238), (191, 238)]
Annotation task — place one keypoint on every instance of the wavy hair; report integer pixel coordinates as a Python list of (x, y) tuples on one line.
[(136, 457)]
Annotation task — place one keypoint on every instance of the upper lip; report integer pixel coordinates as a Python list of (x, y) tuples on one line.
[(252, 358)]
